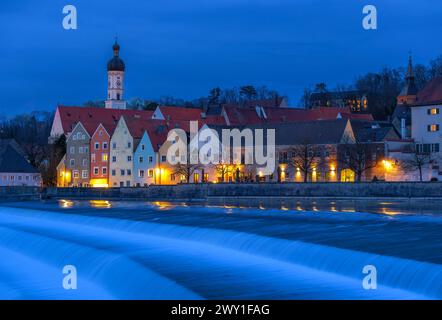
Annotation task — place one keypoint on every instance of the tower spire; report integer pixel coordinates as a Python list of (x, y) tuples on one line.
[(410, 72), (409, 91)]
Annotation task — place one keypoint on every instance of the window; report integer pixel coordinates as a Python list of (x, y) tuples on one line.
[(86, 150), (433, 111), (129, 144), (433, 127), (93, 158), (114, 159), (142, 147), (150, 173), (129, 158), (140, 159), (104, 145), (113, 172), (122, 172), (84, 174), (96, 170), (196, 177), (72, 162), (163, 158), (129, 172), (84, 162), (428, 148), (114, 145), (206, 178), (104, 157), (72, 150), (80, 150), (172, 177), (12, 178), (141, 173), (104, 170), (100, 133), (97, 145), (20, 178), (150, 159), (76, 174)]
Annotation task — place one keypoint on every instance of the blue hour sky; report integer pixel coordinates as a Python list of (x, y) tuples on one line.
[(184, 48)]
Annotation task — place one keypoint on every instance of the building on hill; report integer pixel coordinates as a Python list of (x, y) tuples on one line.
[(15, 170), (355, 101)]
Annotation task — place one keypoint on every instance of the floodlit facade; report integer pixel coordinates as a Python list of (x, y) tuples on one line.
[(121, 156)]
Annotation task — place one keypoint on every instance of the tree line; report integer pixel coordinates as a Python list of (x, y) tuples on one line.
[(382, 87)]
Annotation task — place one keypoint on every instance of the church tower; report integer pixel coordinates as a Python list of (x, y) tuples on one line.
[(409, 92), (115, 78)]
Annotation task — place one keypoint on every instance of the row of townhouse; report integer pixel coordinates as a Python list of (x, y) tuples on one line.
[(135, 154), (114, 147)]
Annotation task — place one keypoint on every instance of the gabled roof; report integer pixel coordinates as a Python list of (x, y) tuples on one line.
[(431, 94), (11, 161), (91, 117), (373, 132)]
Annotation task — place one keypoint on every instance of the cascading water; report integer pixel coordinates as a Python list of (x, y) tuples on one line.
[(159, 259)]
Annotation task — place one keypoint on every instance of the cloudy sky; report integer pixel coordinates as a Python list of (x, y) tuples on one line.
[(185, 47)]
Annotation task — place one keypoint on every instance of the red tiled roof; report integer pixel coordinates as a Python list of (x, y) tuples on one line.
[(244, 116), (91, 117), (179, 114), (431, 93)]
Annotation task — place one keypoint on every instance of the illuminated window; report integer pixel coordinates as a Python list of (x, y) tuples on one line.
[(433, 111), (104, 157), (433, 127)]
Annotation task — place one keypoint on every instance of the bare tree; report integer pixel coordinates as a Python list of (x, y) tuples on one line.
[(223, 170), (417, 161), (186, 170), (358, 156), (304, 158)]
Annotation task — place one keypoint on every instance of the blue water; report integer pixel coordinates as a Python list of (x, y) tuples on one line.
[(137, 250)]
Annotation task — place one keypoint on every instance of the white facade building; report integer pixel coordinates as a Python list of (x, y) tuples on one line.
[(121, 156), (426, 125)]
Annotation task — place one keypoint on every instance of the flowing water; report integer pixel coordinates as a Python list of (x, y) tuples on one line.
[(296, 250)]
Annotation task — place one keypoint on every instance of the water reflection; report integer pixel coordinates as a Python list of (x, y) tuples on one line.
[(65, 203), (100, 204), (390, 207)]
